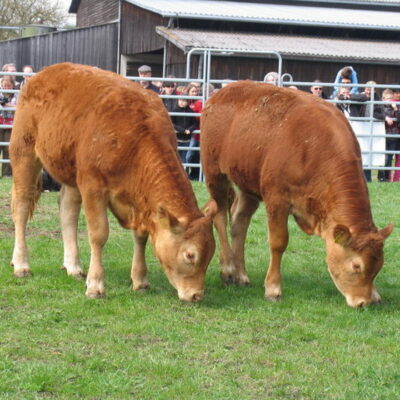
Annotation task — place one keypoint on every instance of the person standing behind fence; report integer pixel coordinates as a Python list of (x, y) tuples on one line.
[(27, 69), (184, 125), (318, 90), (396, 175), (346, 75), (11, 68), (271, 78), (145, 72), (6, 118), (169, 89), (392, 127), (193, 156)]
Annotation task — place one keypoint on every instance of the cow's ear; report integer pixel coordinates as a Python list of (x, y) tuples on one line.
[(342, 235), (385, 232), (210, 209), (170, 222)]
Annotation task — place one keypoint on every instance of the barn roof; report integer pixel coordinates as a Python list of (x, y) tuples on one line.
[(273, 13), (287, 45)]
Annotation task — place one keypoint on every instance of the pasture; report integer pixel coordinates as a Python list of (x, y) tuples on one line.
[(56, 344)]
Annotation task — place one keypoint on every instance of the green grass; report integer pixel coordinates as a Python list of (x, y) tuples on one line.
[(56, 344)]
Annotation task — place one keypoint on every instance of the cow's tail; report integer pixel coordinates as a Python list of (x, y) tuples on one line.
[(36, 196)]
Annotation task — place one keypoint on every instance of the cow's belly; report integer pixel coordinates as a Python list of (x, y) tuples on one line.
[(58, 166), (245, 173)]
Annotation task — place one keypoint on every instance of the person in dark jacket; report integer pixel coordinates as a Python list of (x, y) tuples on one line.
[(145, 72), (392, 127), (169, 89), (184, 126)]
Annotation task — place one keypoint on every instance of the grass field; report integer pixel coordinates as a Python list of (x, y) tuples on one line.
[(56, 344)]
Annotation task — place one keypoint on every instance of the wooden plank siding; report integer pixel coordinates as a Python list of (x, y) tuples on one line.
[(95, 12), (95, 46), (138, 33)]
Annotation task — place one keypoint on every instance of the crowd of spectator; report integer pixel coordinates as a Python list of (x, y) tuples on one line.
[(349, 99)]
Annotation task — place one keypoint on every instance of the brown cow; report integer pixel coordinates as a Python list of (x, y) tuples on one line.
[(298, 154), (112, 145)]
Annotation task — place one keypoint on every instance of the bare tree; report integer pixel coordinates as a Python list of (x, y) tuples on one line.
[(25, 12)]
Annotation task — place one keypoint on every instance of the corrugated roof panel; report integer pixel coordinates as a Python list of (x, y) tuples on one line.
[(272, 13), (287, 45)]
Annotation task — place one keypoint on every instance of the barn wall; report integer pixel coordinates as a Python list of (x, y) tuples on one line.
[(77, 45), (138, 34), (95, 12)]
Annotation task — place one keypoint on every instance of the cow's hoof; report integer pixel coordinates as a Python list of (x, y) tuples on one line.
[(242, 281), (141, 287), (79, 276), (22, 273), (274, 298), (95, 295), (228, 279)]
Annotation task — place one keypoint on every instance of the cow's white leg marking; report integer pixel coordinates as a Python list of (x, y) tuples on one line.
[(70, 205)]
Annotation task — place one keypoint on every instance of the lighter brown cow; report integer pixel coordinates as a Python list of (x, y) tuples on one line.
[(112, 145), (298, 154)]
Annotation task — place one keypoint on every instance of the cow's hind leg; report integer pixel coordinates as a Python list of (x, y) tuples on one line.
[(222, 192), (95, 205), (278, 239), (26, 189), (242, 210), (70, 206), (139, 267)]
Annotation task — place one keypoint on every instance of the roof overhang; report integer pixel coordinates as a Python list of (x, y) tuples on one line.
[(289, 46), (267, 13)]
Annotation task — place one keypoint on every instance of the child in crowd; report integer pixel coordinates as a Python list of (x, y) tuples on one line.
[(184, 126), (392, 124)]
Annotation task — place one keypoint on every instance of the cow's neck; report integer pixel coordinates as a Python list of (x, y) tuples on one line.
[(166, 185), (347, 203)]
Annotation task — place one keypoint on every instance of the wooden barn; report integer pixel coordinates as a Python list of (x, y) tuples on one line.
[(315, 38)]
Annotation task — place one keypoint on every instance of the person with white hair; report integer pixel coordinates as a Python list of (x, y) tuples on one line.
[(272, 78)]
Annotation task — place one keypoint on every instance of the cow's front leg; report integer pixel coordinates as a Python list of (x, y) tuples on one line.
[(139, 267), (226, 257), (278, 239), (70, 206), (242, 210), (95, 206)]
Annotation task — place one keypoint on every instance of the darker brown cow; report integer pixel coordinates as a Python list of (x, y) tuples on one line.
[(112, 145), (298, 154)]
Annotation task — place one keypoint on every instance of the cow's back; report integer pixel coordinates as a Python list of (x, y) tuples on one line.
[(260, 135), (81, 118)]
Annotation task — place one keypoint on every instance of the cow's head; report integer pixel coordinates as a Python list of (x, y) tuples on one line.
[(184, 250), (354, 261)]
